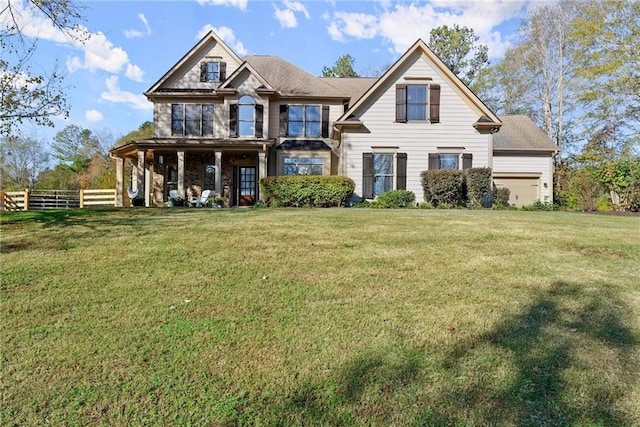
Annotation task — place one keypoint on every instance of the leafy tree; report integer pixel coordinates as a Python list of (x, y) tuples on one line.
[(145, 131), (608, 71), (25, 94), (75, 147), (457, 47), (342, 68), (21, 161)]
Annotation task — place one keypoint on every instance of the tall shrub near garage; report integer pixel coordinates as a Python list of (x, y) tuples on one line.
[(444, 187), (307, 191), (479, 186)]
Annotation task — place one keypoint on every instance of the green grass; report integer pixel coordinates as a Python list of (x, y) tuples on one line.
[(319, 317)]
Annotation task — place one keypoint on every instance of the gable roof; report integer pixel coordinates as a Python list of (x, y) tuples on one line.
[(488, 117), (210, 37), (520, 133)]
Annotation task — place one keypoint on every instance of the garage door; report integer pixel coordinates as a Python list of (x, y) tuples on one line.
[(524, 191)]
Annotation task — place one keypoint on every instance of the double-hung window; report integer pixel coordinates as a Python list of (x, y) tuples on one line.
[(192, 119), (212, 71), (382, 172), (304, 120), (246, 118), (417, 103), (450, 160)]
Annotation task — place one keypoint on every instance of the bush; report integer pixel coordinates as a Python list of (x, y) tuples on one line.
[(306, 191), (444, 187), (395, 199), (502, 197), (479, 186)]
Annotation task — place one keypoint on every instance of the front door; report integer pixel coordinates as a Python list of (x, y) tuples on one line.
[(246, 189)]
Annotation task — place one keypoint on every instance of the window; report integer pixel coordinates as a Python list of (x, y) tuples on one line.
[(246, 107), (413, 103), (416, 102), (379, 174), (304, 120), (450, 160), (303, 166), (212, 71), (246, 118), (192, 119), (209, 181), (382, 173), (172, 178)]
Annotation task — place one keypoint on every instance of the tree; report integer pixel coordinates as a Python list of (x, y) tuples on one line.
[(21, 161), (75, 147), (608, 72), (342, 68), (25, 94), (457, 47), (145, 131)]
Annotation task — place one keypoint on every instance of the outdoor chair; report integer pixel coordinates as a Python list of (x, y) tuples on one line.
[(134, 194), (200, 201)]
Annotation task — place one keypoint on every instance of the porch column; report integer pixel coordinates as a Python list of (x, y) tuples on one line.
[(218, 184), (147, 186), (119, 181), (140, 168), (262, 169), (181, 191)]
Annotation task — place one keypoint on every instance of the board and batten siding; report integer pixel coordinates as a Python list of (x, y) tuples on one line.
[(525, 166), (416, 139)]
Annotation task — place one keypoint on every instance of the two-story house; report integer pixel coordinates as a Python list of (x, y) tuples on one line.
[(222, 122)]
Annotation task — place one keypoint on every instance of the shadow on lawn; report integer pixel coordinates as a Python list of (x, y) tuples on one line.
[(553, 351)]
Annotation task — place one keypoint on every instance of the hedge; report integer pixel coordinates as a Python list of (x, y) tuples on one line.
[(306, 191), (452, 187), (395, 199)]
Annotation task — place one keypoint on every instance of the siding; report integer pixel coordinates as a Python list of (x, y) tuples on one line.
[(417, 139), (521, 165), (188, 76)]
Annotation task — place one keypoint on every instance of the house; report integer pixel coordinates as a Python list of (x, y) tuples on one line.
[(222, 123)]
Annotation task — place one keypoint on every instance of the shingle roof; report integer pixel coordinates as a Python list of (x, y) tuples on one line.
[(353, 87), (290, 80), (519, 132)]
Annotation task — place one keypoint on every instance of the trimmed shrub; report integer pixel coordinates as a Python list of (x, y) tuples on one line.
[(444, 187), (502, 197), (306, 191), (395, 199), (479, 186)]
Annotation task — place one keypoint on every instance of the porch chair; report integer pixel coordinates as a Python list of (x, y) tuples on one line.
[(134, 194), (200, 201)]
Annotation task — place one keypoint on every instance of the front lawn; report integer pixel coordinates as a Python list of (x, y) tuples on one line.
[(319, 317)]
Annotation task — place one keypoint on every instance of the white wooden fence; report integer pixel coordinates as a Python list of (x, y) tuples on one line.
[(55, 199)]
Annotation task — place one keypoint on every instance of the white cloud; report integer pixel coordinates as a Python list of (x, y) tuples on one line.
[(135, 73), (400, 25), (137, 33), (240, 4), (287, 15), (93, 115), (115, 94), (98, 52), (226, 34)]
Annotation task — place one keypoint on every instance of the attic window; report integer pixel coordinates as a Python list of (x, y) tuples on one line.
[(212, 71)]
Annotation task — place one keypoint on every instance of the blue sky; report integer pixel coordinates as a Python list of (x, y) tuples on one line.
[(133, 43)]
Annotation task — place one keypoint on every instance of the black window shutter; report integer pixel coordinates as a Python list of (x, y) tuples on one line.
[(259, 120), (401, 103), (223, 71), (325, 121), (283, 120), (233, 120), (434, 161), (401, 171), (434, 103), (467, 160), (203, 71), (367, 175)]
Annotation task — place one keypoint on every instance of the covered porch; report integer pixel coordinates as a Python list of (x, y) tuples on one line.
[(154, 168)]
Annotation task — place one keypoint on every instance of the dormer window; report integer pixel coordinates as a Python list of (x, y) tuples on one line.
[(212, 71)]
